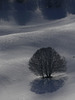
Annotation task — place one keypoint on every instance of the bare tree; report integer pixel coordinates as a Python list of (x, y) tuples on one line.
[(46, 61)]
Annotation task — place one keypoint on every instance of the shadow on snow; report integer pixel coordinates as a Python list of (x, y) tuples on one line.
[(41, 86)]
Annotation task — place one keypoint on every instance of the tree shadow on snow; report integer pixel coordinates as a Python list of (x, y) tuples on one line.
[(41, 86)]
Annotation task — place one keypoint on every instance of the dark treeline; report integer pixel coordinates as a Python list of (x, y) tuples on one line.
[(22, 10), (32, 4)]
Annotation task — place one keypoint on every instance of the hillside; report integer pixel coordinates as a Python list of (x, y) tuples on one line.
[(19, 41)]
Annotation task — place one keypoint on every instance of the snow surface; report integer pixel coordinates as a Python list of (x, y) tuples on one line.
[(19, 43)]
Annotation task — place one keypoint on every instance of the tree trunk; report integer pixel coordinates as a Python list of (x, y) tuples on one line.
[(50, 76)]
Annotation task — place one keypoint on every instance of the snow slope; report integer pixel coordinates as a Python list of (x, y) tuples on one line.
[(17, 45), (19, 42)]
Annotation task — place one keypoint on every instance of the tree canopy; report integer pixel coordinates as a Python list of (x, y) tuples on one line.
[(46, 61)]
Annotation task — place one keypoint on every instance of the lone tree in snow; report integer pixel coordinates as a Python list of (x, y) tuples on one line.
[(46, 61)]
